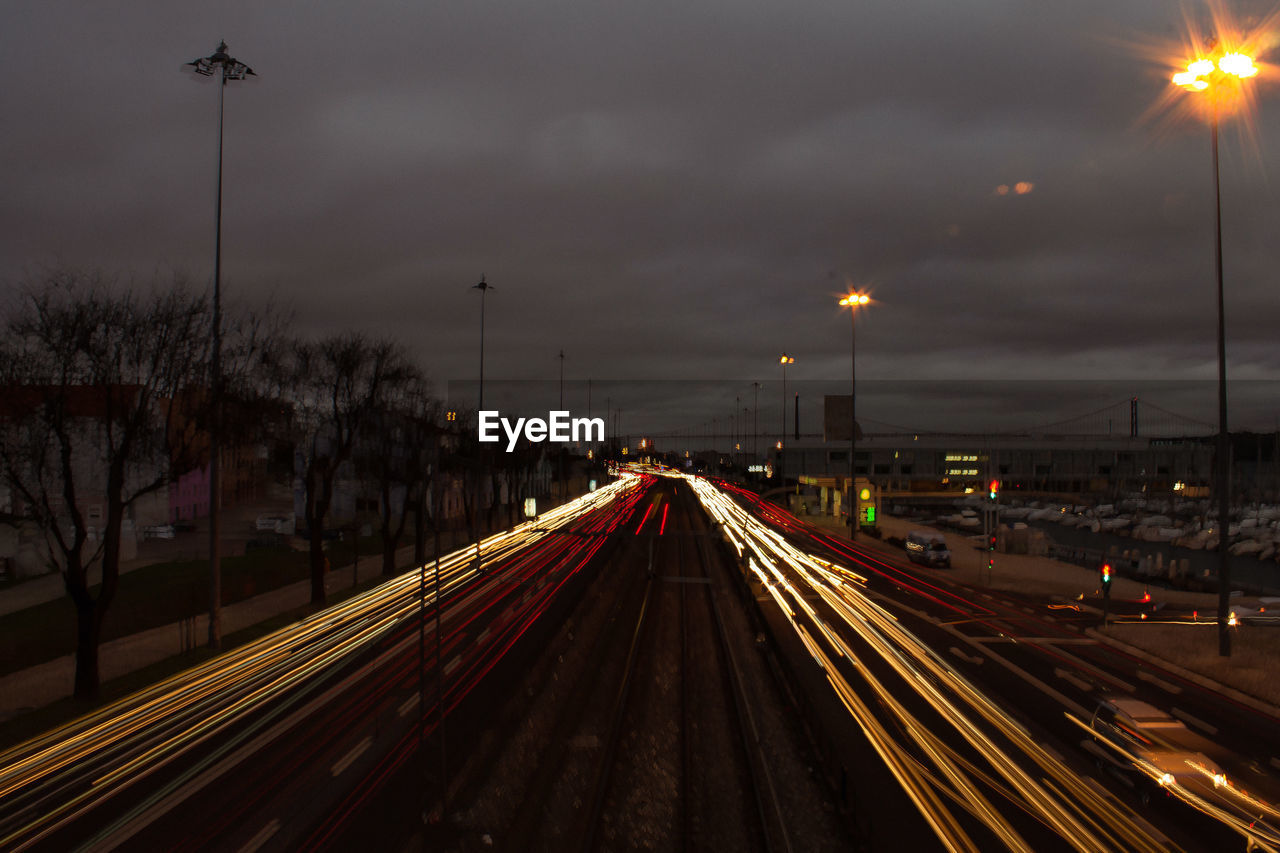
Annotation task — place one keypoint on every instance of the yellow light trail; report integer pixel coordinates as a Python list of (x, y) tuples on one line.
[(49, 779), (1070, 808)]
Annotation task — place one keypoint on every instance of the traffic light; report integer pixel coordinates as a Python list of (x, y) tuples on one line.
[(1105, 573), (993, 489)]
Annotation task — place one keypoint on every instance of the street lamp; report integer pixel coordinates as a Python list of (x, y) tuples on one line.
[(484, 287), (228, 68), (853, 301), (1218, 75), (782, 433), (560, 454), (755, 424)]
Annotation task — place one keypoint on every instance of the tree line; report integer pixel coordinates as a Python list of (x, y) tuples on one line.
[(106, 391)]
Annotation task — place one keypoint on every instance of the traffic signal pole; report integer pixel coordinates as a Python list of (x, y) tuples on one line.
[(993, 522), (1105, 580)]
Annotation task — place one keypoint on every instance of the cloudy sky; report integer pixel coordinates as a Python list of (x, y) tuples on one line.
[(663, 190)]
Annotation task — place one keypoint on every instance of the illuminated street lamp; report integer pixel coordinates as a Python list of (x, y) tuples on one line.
[(782, 434), (853, 301), (1219, 75), (484, 287), (227, 68)]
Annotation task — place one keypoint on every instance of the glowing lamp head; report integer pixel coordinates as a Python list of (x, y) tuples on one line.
[(1200, 72), (1237, 64), (855, 299), (786, 359)]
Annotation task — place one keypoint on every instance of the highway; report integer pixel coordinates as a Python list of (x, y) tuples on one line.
[(976, 709), (276, 742), (937, 674)]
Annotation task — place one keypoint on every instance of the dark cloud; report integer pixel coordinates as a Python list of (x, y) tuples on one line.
[(663, 190)]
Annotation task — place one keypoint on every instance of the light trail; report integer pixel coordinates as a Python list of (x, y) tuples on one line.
[(1068, 807), (50, 780)]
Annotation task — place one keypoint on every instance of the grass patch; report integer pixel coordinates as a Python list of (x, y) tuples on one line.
[(148, 597), (1251, 668)]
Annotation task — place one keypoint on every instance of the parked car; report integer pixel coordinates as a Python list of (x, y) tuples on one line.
[(159, 531), (276, 524), (928, 549)]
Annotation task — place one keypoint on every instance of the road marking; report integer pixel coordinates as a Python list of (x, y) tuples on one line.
[(1073, 680), (1159, 682), (261, 838), (1037, 641), (1097, 673), (482, 636), (227, 757), (351, 756), (453, 664), (1275, 762), (1057, 695), (1028, 610), (1195, 721), (974, 659), (408, 705)]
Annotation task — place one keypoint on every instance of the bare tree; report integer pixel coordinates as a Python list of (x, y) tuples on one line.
[(394, 456), (334, 385), (94, 383)]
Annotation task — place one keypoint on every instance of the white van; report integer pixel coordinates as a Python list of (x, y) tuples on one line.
[(928, 549)]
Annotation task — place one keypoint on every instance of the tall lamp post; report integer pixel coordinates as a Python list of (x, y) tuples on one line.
[(227, 68), (755, 424), (782, 432), (484, 287), (1217, 75), (564, 492), (853, 301)]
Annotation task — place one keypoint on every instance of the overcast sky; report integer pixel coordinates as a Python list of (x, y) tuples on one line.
[(663, 190)]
